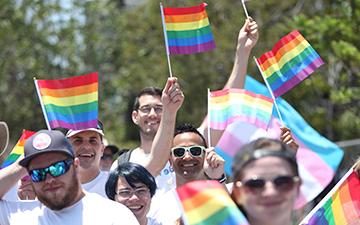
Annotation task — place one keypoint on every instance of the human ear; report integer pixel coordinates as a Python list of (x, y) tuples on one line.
[(134, 115)]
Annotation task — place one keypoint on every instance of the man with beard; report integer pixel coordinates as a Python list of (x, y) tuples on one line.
[(53, 170)]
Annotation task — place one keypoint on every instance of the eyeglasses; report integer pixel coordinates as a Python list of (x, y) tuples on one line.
[(195, 151), (140, 192), (147, 109), (281, 183), (55, 170)]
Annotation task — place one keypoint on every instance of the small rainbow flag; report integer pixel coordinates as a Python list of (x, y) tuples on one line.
[(18, 150), (207, 203), (341, 206), (188, 30), (71, 102), (290, 61), (229, 105)]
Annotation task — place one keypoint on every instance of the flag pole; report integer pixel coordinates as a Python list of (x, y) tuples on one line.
[(271, 93), (208, 119), (244, 6), (41, 103), (166, 39), (323, 201)]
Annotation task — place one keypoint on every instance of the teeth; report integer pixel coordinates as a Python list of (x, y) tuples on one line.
[(86, 155), (135, 207), (188, 165)]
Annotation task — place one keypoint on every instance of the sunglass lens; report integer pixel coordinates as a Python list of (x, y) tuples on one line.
[(255, 183), (179, 152), (196, 150), (57, 169), (284, 183), (37, 175)]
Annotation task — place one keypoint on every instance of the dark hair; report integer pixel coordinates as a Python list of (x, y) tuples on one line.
[(113, 148), (153, 91), (189, 128), (259, 148), (133, 174)]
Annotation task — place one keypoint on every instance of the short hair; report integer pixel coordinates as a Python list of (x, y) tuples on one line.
[(189, 128), (153, 91), (259, 148), (133, 174), (113, 148)]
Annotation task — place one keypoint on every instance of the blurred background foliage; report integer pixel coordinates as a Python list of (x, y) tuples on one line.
[(123, 41)]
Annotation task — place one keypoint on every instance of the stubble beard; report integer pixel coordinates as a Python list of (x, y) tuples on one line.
[(69, 198)]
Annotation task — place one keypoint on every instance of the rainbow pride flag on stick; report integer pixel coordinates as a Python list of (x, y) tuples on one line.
[(291, 60), (18, 150), (207, 203), (187, 30), (341, 206), (229, 105), (71, 102)]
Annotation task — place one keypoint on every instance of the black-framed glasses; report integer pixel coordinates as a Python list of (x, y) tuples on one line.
[(282, 183), (140, 192), (147, 108), (195, 151), (55, 170)]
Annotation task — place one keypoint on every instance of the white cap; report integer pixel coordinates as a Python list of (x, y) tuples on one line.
[(71, 133)]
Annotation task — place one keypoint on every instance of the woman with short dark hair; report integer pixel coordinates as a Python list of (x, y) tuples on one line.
[(133, 186)]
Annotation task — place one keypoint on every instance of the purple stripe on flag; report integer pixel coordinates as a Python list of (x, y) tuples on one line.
[(75, 126), (254, 120), (175, 50), (298, 78)]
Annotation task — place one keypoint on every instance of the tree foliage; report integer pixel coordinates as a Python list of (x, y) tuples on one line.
[(52, 39)]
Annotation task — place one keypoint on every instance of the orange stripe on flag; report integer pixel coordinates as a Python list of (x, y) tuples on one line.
[(69, 92), (185, 18)]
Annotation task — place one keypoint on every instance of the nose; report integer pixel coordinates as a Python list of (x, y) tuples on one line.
[(269, 189), (187, 156), (152, 112), (133, 197), (49, 179)]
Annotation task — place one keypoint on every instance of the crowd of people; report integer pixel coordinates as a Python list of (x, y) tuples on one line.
[(73, 178)]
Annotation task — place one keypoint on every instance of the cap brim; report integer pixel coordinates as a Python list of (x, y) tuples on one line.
[(25, 161), (71, 133), (4, 136)]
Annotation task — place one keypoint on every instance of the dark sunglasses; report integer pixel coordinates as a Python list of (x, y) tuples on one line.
[(281, 183), (55, 170), (195, 151)]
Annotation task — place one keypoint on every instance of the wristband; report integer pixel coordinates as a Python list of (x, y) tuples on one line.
[(221, 180)]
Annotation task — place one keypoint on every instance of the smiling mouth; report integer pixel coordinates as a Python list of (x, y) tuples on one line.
[(189, 165), (135, 208), (86, 155)]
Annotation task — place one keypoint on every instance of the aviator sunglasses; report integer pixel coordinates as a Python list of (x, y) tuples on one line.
[(195, 151), (55, 170), (281, 183)]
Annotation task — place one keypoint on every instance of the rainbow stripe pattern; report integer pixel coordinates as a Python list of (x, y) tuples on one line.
[(207, 203), (290, 61), (18, 150), (188, 30), (71, 102), (342, 207), (230, 105), (318, 158)]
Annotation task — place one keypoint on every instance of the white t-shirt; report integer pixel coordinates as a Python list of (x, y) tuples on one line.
[(167, 209), (97, 185), (91, 209), (152, 221)]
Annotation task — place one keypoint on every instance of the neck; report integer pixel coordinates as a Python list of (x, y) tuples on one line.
[(87, 175), (181, 180), (285, 220), (145, 143), (143, 221)]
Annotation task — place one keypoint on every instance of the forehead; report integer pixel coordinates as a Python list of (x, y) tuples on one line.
[(86, 134), (122, 183), (108, 151), (149, 100), (46, 159), (268, 166), (187, 139)]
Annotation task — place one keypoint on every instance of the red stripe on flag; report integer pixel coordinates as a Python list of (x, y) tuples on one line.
[(185, 10), (69, 82)]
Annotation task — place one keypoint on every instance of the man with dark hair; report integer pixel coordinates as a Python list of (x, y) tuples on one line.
[(110, 151), (53, 169)]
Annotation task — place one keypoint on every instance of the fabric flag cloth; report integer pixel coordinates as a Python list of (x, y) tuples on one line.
[(18, 150), (318, 158), (70, 102), (291, 60), (230, 105), (341, 206), (188, 30), (207, 203)]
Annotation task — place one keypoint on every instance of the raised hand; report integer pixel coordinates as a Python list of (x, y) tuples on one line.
[(172, 96), (287, 138), (213, 164), (248, 35)]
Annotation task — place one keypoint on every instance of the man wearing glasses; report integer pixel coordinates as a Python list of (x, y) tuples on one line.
[(53, 169)]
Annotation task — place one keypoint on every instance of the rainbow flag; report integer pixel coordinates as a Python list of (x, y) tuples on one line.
[(207, 203), (71, 102), (341, 206), (187, 30), (18, 150), (291, 60), (230, 105), (318, 158)]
